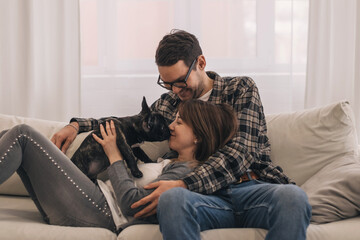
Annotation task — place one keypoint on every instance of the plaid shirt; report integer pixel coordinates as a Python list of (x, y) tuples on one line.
[(249, 149)]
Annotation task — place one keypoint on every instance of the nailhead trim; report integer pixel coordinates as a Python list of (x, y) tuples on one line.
[(108, 213), (8, 150)]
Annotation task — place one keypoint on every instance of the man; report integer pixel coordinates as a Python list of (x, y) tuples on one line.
[(238, 186)]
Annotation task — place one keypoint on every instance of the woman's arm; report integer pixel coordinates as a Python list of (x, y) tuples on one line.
[(125, 190), (127, 193)]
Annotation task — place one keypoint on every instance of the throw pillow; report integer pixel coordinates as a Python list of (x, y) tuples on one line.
[(334, 191), (303, 142)]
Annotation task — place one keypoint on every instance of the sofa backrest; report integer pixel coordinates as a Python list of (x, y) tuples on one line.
[(46, 127), (303, 142)]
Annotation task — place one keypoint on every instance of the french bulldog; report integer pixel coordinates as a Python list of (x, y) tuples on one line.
[(90, 157)]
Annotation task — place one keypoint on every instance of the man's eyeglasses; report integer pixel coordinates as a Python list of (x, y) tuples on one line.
[(178, 83)]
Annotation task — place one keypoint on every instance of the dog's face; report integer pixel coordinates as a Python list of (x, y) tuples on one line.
[(153, 124), (156, 127)]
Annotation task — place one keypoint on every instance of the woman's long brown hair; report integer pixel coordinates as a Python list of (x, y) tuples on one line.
[(213, 125)]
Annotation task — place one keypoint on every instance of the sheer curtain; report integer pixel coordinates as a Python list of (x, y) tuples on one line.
[(264, 39), (40, 58), (333, 71)]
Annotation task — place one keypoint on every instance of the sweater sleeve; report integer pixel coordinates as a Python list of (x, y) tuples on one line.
[(128, 193)]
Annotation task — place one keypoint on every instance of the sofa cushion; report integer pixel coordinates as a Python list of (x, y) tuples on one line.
[(345, 230), (20, 219), (304, 142), (334, 191)]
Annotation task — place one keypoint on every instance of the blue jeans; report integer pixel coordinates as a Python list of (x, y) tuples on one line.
[(61, 192), (282, 209)]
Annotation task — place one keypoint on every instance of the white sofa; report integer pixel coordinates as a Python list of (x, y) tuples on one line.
[(318, 148)]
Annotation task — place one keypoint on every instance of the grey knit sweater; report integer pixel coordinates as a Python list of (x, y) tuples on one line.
[(128, 193)]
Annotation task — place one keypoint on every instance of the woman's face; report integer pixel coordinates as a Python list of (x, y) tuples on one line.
[(182, 136)]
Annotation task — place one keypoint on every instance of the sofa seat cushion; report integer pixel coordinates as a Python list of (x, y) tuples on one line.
[(347, 229), (19, 219), (151, 231)]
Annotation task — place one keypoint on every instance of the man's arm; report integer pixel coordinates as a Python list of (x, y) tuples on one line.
[(166, 105), (88, 124), (65, 136), (221, 169)]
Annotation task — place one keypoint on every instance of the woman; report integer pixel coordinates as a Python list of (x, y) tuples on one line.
[(65, 196)]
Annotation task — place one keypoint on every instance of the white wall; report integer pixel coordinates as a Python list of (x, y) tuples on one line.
[(122, 95)]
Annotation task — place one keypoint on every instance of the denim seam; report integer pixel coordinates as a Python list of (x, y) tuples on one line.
[(252, 207), (211, 206)]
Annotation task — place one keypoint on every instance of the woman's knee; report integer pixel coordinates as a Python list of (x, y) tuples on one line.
[(22, 128)]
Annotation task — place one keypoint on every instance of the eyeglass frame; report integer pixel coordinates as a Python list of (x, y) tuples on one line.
[(171, 84)]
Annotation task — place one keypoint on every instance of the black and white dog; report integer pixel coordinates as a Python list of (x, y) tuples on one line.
[(90, 157)]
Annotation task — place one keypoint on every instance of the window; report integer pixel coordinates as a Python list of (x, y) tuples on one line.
[(263, 39)]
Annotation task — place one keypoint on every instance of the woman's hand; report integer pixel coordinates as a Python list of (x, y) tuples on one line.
[(109, 142)]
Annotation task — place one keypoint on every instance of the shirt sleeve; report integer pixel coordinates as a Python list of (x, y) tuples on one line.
[(165, 105), (229, 163), (88, 124)]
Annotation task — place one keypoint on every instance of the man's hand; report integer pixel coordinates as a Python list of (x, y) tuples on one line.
[(161, 187), (63, 138)]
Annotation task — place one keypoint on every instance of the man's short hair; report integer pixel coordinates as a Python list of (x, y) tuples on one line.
[(175, 46)]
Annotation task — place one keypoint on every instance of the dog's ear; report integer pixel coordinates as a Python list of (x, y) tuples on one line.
[(145, 110)]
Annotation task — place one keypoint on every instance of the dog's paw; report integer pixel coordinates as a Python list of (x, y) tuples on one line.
[(137, 174)]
